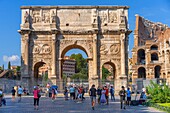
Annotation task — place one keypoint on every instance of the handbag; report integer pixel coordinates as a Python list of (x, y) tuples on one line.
[(39, 95)]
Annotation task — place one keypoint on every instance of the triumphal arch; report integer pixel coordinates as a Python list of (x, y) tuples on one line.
[(48, 32)]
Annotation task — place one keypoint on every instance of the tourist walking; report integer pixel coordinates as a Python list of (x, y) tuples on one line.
[(112, 93), (107, 95), (66, 93), (13, 91), (122, 94), (53, 94), (83, 91), (36, 94), (1, 97), (20, 92), (80, 90), (92, 94), (128, 92), (103, 96), (99, 93), (72, 92), (76, 93)]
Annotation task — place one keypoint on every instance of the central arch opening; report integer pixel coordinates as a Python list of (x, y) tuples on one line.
[(40, 73), (108, 73), (74, 67)]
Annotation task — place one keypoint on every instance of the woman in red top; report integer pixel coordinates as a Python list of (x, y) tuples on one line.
[(36, 98)]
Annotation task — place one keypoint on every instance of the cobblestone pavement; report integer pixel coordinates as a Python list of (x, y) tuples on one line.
[(61, 106)]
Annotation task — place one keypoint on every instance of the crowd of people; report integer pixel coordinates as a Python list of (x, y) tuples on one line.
[(76, 93)]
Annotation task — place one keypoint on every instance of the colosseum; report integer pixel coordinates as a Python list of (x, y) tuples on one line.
[(151, 52)]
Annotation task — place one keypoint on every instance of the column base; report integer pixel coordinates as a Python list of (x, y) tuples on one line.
[(27, 83), (119, 82), (94, 80)]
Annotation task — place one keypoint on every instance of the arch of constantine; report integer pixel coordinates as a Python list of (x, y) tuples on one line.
[(48, 32)]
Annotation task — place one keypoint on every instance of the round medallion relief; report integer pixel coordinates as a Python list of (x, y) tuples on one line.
[(114, 49)]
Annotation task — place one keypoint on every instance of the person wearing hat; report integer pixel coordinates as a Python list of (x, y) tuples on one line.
[(122, 94)]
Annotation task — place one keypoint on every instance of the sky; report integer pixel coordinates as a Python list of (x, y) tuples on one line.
[(10, 19)]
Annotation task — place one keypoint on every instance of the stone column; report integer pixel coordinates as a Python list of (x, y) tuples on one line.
[(95, 54), (26, 56), (123, 54), (25, 74), (59, 77), (53, 55), (123, 76)]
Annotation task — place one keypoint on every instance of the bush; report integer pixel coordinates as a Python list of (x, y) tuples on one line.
[(158, 94)]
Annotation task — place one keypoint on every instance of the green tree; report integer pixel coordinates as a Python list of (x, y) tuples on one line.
[(105, 73), (9, 65), (158, 93), (18, 68), (81, 67), (3, 67), (79, 76), (81, 63)]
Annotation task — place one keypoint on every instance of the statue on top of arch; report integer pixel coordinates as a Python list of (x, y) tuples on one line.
[(26, 17)]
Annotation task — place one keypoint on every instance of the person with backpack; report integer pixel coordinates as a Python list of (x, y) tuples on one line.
[(20, 92), (112, 91), (128, 96), (122, 94), (66, 93), (92, 94), (36, 97)]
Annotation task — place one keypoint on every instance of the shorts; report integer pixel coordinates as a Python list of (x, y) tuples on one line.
[(128, 98), (13, 94), (93, 98), (19, 95), (107, 97)]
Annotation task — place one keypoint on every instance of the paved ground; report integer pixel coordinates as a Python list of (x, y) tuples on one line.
[(61, 106)]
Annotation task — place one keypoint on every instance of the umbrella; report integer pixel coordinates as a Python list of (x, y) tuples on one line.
[(54, 86)]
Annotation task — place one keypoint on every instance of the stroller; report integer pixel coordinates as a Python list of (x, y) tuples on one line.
[(135, 102)]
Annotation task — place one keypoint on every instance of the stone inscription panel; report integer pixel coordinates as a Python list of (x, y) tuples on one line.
[(73, 17)]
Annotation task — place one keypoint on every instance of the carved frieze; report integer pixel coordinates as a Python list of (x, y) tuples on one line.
[(103, 16), (108, 50), (53, 17), (103, 50), (112, 17), (42, 49), (114, 49), (36, 18), (46, 16)]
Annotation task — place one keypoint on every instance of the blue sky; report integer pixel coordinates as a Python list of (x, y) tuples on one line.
[(154, 10)]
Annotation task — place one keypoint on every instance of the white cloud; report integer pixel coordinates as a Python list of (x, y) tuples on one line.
[(13, 58)]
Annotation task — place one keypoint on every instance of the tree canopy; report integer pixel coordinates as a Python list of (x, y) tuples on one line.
[(105, 73), (81, 67), (9, 65)]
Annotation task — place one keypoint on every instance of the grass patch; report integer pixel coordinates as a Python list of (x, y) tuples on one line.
[(164, 104)]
